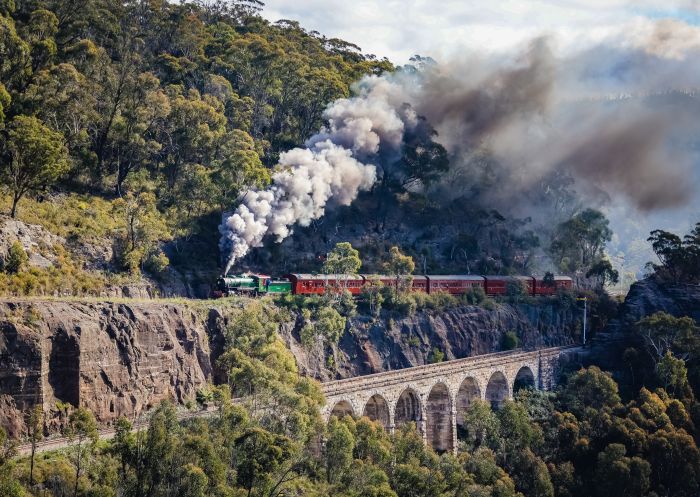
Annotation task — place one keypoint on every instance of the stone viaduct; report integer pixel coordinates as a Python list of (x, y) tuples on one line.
[(436, 396)]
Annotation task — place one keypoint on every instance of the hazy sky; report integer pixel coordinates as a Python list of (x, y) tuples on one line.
[(398, 29)]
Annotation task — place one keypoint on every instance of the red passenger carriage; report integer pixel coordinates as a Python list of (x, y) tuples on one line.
[(543, 288), (316, 284), (453, 283)]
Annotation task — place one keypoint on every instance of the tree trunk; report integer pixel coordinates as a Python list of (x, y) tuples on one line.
[(15, 201), (77, 469), (31, 463)]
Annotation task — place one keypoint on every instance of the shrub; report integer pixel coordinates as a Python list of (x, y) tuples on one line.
[(308, 332), (489, 304), (330, 324), (516, 290), (82, 217), (403, 303), (346, 305), (510, 341), (442, 300), (325, 322), (156, 262), (16, 259), (64, 279), (204, 395), (436, 355), (475, 296), (372, 297)]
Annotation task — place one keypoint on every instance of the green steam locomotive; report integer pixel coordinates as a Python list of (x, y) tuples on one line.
[(252, 284)]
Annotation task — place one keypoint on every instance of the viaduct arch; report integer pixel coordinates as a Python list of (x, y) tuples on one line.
[(436, 396)]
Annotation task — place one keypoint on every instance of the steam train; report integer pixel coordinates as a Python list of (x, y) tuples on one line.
[(318, 284)]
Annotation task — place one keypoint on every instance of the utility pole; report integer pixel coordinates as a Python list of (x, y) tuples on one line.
[(585, 312)]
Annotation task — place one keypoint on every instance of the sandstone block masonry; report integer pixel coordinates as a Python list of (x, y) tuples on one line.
[(436, 396)]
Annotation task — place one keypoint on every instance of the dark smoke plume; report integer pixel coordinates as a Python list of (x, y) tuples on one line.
[(620, 119)]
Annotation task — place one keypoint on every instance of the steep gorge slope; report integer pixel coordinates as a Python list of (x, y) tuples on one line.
[(399, 342), (116, 359), (123, 358)]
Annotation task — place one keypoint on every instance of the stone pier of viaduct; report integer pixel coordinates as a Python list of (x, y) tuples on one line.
[(436, 396)]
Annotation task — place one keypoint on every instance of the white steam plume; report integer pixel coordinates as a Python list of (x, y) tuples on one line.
[(329, 170)]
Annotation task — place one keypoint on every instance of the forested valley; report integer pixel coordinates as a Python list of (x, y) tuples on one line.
[(588, 437), (128, 127)]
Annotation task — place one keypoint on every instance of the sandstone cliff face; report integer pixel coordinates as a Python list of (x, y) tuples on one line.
[(121, 359), (115, 359), (648, 296), (644, 298), (395, 343)]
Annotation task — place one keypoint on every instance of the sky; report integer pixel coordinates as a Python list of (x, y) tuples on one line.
[(399, 29)]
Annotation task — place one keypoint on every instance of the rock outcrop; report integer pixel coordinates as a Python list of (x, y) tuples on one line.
[(648, 296), (395, 343), (644, 298), (37, 242), (115, 359), (123, 358)]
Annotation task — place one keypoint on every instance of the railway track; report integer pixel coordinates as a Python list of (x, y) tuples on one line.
[(59, 443)]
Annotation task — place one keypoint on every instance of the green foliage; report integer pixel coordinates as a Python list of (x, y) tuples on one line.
[(580, 442), (137, 244), (263, 371), (343, 259), (9, 485), (673, 376), (680, 258), (156, 262), (436, 355), (402, 303), (604, 273), (323, 323), (663, 333), (422, 163), (516, 290), (82, 432), (620, 475), (330, 324), (482, 426), (414, 341), (63, 279), (197, 99), (345, 304), (437, 301), (38, 158), (590, 389), (579, 243), (84, 218), (16, 259), (4, 103), (475, 296), (372, 296), (510, 341), (401, 267), (339, 446)]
